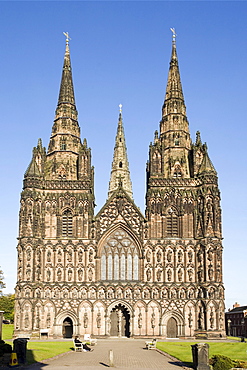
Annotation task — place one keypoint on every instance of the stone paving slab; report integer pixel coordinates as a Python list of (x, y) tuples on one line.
[(128, 354)]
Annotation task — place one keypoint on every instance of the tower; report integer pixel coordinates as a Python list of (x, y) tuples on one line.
[(119, 273), (184, 220)]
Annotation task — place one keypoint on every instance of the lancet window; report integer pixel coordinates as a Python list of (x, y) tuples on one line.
[(172, 223), (67, 223), (119, 258)]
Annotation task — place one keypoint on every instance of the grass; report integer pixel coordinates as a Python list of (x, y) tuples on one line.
[(7, 331), (38, 351), (182, 351)]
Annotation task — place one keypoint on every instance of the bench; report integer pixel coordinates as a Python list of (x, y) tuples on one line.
[(151, 344), (88, 339), (78, 346), (44, 332)]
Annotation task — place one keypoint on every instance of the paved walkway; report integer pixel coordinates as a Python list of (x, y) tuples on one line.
[(128, 354)]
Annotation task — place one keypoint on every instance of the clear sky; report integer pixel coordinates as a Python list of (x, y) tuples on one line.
[(120, 53)]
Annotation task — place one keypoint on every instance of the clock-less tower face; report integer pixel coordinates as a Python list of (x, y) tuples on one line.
[(118, 273)]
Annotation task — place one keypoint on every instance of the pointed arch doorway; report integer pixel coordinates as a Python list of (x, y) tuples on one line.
[(67, 328), (172, 328), (119, 322)]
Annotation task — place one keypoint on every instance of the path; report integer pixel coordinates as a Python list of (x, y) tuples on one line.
[(128, 354)]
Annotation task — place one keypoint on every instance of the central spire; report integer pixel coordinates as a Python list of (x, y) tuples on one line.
[(120, 174), (65, 134)]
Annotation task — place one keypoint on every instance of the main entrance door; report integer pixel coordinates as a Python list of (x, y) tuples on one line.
[(67, 328), (120, 322), (172, 330)]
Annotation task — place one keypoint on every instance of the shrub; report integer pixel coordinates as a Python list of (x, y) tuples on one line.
[(5, 348), (220, 362)]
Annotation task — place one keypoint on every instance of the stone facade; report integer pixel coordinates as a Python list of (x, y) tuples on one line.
[(119, 273)]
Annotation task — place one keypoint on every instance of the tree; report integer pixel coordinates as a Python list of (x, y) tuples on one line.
[(7, 303), (2, 284)]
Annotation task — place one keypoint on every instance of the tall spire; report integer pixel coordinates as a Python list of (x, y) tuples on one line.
[(65, 131), (120, 174), (66, 94), (174, 110)]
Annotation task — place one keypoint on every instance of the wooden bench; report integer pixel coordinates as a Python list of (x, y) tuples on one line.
[(78, 346), (151, 344)]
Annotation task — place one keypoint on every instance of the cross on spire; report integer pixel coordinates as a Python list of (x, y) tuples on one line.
[(66, 34)]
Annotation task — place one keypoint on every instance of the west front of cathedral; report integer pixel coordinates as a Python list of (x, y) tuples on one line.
[(120, 273)]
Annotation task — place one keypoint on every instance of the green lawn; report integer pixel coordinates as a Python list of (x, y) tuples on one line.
[(7, 331), (182, 350), (38, 351)]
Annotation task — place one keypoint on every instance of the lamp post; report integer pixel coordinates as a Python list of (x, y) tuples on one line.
[(229, 321), (242, 323)]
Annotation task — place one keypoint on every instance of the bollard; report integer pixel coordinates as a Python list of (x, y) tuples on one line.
[(111, 363)]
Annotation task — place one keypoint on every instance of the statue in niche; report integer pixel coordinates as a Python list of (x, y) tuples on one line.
[(38, 272), (38, 255), (59, 256), (146, 294), (119, 294), (173, 294), (59, 275), (201, 319), (83, 293), (220, 321), (48, 320), (169, 256), (69, 275), (137, 293), (148, 273), (211, 319), (80, 274), (155, 294), (209, 208), (49, 256), (210, 273), (180, 254), (199, 274), (80, 255), (169, 275), (190, 256), (158, 275), (139, 320), (48, 275), (158, 256), (101, 293), (164, 293), (148, 256), (190, 273), (153, 320), (28, 255), (69, 255), (90, 255), (27, 293), (210, 255), (182, 294), (28, 273), (98, 320), (85, 320), (26, 320), (90, 274), (191, 293), (180, 275), (38, 294)]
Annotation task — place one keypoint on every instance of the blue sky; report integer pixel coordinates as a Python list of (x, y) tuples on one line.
[(120, 52)]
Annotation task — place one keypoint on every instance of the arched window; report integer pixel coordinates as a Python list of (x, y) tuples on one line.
[(172, 223), (119, 258), (67, 224), (120, 164)]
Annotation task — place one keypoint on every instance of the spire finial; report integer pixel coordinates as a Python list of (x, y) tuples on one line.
[(174, 35), (66, 34), (120, 108)]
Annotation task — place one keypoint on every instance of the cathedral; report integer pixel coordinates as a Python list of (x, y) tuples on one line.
[(120, 273)]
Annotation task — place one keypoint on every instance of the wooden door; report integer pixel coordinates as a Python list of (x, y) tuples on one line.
[(172, 330)]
